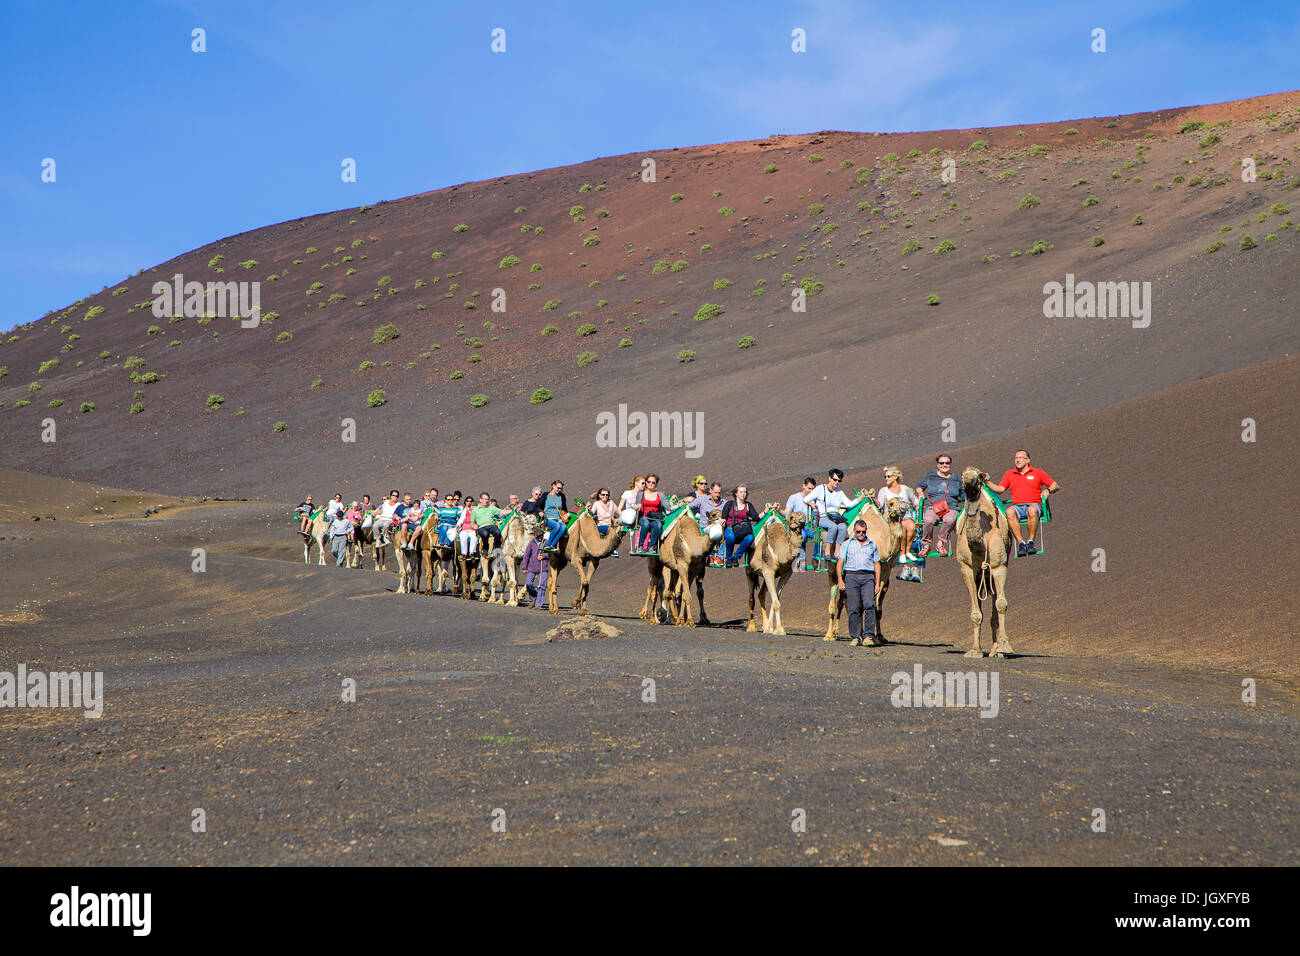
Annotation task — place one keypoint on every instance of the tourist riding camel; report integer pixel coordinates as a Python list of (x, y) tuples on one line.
[(895, 490), (830, 503), (942, 492), (1027, 485)]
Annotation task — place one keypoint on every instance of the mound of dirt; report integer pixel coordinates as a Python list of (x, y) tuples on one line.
[(582, 629)]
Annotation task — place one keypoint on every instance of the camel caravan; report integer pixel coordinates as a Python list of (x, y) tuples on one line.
[(448, 544)]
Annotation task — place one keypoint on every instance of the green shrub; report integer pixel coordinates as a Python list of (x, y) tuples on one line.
[(980, 145), (93, 311), (551, 305), (478, 400), (660, 267), (816, 209), (708, 311), (459, 227), (136, 408), (912, 246), (679, 265), (725, 210), (932, 299), (318, 383), (1090, 200), (1279, 209), (384, 333), (1247, 242), (1191, 126), (152, 330), (365, 366), (586, 358), (249, 263), (87, 406), (216, 261), (55, 403), (585, 330), (284, 337), (946, 246), (624, 343), (508, 261), (149, 378), (1137, 220), (46, 366), (676, 197), (591, 241), (34, 387), (1213, 247), (810, 286), (376, 398), (457, 373), (602, 214), (539, 396), (21, 403), (104, 354), (1029, 202), (214, 401), (1038, 150), (433, 255), (770, 168), (747, 341), (720, 284), (1038, 248), (1098, 241), (1212, 139), (585, 188), (279, 427)]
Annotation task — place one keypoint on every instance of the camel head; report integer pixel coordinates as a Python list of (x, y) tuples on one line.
[(896, 509), (530, 525), (972, 480), (797, 521), (713, 525)]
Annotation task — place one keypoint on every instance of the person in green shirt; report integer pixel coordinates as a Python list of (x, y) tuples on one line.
[(486, 517)]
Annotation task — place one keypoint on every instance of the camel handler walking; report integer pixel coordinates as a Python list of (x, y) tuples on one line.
[(1027, 484), (340, 535), (858, 572)]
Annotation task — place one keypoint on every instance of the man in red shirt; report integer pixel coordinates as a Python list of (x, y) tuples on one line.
[(1027, 484)]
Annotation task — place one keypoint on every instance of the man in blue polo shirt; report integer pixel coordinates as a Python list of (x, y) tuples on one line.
[(858, 572)]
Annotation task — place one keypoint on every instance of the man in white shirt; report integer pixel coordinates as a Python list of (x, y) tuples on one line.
[(387, 513), (340, 534), (830, 501)]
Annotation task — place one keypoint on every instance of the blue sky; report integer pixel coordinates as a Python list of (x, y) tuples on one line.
[(160, 149)]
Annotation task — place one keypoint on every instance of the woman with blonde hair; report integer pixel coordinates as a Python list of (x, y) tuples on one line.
[(894, 488)]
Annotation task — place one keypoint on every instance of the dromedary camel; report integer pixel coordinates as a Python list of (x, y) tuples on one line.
[(582, 546), (771, 562), (319, 529), (408, 562), (361, 538), (438, 560), (886, 532), (518, 531), (983, 547), (680, 563)]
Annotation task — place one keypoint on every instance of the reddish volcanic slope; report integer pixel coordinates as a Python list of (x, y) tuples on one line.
[(868, 372)]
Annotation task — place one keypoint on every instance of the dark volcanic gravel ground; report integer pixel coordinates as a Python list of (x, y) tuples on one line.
[(223, 691)]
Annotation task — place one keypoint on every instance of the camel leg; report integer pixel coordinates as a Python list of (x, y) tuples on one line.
[(651, 593), (306, 550), (320, 548), (699, 593), (968, 575), (552, 591), (833, 613), (772, 619), (1001, 643), (777, 626), (886, 571), (753, 585), (685, 611)]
